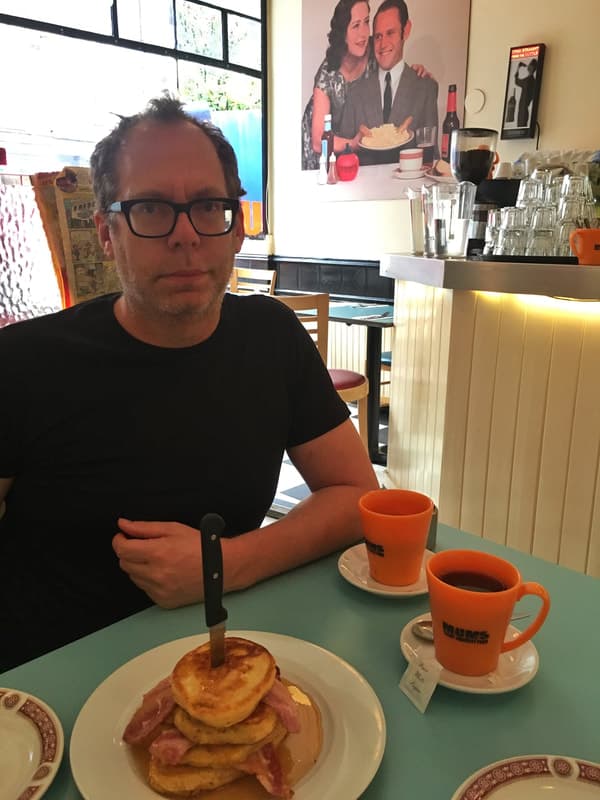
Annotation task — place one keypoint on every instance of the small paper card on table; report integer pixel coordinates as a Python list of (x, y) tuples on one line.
[(420, 680)]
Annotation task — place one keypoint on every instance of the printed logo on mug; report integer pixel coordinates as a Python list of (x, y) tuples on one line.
[(376, 549), (395, 524), (472, 596)]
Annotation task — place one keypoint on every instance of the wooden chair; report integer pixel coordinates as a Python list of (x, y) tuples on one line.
[(351, 386), (252, 281)]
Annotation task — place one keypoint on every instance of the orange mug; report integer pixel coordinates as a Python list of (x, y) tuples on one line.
[(585, 244), (472, 596), (395, 524)]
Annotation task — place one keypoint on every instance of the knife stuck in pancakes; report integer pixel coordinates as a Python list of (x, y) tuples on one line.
[(238, 731)]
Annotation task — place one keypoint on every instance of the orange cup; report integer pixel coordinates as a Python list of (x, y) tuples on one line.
[(472, 596), (585, 243), (395, 523)]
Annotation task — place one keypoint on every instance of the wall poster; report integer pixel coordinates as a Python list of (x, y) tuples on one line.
[(522, 94), (383, 71)]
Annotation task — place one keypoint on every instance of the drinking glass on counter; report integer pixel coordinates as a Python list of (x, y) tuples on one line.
[(417, 222), (570, 209), (540, 243), (531, 196), (448, 211), (512, 234), (544, 175), (492, 228), (512, 217), (563, 244), (510, 242), (577, 186), (543, 217), (553, 191)]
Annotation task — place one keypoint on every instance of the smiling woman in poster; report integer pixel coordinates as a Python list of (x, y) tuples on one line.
[(348, 58)]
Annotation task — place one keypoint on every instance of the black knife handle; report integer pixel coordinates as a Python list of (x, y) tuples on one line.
[(211, 528)]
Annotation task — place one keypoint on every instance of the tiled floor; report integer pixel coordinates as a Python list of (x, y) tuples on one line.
[(291, 488)]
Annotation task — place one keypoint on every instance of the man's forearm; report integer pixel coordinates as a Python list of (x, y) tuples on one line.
[(325, 521)]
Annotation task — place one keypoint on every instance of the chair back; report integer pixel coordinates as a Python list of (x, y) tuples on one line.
[(245, 280), (313, 312)]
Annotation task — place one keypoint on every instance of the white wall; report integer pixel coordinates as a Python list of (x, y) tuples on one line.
[(569, 116), (569, 110)]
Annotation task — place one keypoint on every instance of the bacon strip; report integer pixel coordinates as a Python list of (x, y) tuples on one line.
[(170, 746), (265, 765), (281, 701), (157, 704)]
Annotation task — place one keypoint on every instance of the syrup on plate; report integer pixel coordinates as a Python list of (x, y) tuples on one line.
[(298, 753)]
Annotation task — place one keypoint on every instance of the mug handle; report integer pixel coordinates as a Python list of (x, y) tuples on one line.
[(526, 635), (574, 241), (496, 161)]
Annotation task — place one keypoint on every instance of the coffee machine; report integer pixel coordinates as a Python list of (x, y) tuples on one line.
[(472, 155)]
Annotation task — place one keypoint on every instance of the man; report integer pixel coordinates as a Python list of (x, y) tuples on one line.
[(527, 86), (125, 419), (392, 93)]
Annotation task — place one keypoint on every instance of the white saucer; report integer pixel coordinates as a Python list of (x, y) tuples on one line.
[(353, 565), (408, 174), (439, 178), (515, 668)]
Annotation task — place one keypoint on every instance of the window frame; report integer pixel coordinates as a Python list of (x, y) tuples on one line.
[(179, 55)]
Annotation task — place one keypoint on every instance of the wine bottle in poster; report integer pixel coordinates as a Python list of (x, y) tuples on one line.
[(451, 122)]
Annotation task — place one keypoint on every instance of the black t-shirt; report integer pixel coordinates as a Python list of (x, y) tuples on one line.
[(95, 424)]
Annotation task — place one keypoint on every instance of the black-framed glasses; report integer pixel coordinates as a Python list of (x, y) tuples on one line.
[(152, 218)]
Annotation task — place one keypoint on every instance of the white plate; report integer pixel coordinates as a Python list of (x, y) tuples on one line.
[(351, 714), (31, 745), (411, 136), (408, 175), (353, 565), (515, 668), (440, 178), (527, 777)]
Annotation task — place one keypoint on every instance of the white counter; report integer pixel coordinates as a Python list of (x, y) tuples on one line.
[(555, 280), (495, 400)]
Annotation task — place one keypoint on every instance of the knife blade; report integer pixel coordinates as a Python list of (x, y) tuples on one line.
[(211, 528)]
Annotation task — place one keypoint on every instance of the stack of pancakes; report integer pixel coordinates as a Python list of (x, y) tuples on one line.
[(220, 711)]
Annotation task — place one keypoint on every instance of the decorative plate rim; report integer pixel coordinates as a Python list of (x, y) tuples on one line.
[(484, 782), (49, 728)]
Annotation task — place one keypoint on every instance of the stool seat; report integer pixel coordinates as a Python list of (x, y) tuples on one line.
[(312, 311), (346, 378)]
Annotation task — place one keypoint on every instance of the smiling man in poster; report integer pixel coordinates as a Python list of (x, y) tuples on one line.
[(392, 93)]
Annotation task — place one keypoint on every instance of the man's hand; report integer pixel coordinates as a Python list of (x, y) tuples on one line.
[(164, 559)]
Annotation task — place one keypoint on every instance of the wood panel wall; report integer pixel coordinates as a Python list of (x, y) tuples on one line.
[(495, 413)]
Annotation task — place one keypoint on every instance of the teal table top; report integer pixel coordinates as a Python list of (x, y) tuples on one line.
[(427, 755), (374, 314)]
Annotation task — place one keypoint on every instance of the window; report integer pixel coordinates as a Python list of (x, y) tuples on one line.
[(74, 66)]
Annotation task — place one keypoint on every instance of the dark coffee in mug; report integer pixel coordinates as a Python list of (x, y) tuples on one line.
[(473, 581)]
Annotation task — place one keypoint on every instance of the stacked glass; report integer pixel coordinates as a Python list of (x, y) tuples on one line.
[(548, 209)]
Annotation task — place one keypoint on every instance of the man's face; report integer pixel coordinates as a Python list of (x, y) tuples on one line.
[(183, 273), (389, 38)]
